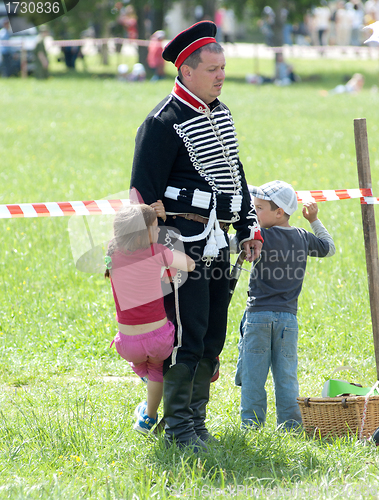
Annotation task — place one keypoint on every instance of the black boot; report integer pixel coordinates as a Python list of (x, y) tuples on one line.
[(200, 398), (177, 393)]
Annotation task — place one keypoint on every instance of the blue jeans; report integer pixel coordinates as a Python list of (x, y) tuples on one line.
[(268, 340)]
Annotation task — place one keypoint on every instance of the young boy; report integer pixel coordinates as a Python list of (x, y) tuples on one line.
[(269, 327)]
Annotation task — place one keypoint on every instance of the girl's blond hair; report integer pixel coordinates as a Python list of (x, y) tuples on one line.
[(131, 229)]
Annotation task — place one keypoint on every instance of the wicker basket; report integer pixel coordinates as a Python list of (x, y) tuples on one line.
[(327, 417)]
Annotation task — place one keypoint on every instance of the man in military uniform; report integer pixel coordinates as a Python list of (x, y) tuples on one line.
[(187, 155)]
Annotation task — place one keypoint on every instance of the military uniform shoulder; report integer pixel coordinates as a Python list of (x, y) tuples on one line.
[(171, 108), (160, 106)]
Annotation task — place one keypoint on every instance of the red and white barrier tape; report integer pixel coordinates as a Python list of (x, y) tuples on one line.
[(100, 41), (333, 194), (247, 50), (370, 201), (110, 207), (80, 42), (62, 209)]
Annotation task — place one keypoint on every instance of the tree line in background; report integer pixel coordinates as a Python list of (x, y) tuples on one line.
[(139, 19), (105, 18)]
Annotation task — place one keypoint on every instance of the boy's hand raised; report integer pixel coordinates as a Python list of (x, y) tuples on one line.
[(310, 210)]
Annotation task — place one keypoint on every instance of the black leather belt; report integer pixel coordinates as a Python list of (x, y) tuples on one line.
[(199, 218)]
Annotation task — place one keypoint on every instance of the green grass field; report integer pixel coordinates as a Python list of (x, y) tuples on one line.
[(66, 399)]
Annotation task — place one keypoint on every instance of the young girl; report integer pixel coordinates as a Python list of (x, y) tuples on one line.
[(134, 264)]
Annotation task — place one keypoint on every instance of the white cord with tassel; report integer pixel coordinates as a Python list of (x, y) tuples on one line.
[(216, 238)]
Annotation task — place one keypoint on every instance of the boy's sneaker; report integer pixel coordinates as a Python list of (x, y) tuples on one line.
[(143, 423)]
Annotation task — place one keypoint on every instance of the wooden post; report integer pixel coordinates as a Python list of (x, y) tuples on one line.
[(369, 230)]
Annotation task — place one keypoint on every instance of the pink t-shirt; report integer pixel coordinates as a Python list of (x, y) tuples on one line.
[(136, 284), (154, 55)]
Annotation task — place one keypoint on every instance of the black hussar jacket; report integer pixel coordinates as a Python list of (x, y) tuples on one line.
[(186, 155)]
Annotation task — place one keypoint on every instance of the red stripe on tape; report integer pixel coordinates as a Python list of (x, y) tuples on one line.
[(366, 192), (41, 209), (66, 207), (318, 195), (15, 210), (92, 207), (116, 204), (342, 194)]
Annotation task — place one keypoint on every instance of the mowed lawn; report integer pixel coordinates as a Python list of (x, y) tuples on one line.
[(66, 399)]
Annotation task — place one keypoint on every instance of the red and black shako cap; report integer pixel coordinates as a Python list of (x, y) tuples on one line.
[(188, 41)]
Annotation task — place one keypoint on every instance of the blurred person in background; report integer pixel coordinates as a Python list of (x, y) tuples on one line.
[(267, 25), (228, 26), (199, 13), (321, 24), (138, 73), (301, 33), (371, 11), (344, 23), (353, 86), (332, 24), (357, 25), (155, 60), (6, 52), (219, 19), (41, 70), (128, 21), (283, 75), (70, 54), (287, 27), (122, 72)]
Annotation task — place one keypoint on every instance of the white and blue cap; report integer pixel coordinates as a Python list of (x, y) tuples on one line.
[(281, 193)]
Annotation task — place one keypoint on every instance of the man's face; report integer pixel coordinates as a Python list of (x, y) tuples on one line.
[(206, 80)]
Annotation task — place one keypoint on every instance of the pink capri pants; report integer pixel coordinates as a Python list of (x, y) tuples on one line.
[(147, 351)]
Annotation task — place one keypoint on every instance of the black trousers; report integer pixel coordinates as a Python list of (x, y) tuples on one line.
[(203, 302)]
